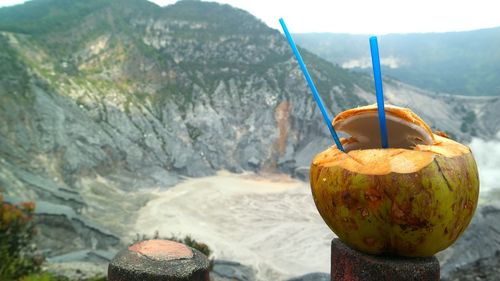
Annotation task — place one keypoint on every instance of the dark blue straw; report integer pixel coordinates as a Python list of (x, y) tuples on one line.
[(311, 85), (377, 74)]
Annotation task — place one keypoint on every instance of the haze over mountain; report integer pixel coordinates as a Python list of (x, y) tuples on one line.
[(458, 63), (101, 100)]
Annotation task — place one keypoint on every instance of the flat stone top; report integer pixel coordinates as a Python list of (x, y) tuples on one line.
[(350, 264), (162, 250)]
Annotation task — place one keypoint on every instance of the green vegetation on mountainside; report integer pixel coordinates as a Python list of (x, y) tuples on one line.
[(44, 16), (461, 63), (13, 75), (102, 47)]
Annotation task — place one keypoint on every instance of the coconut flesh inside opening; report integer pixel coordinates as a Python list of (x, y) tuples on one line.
[(364, 130)]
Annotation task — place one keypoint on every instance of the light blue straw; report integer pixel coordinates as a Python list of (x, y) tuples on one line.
[(311, 85), (377, 74)]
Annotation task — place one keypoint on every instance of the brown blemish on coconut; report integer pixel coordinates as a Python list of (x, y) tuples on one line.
[(364, 212), (350, 224), (373, 197), (370, 241), (349, 201)]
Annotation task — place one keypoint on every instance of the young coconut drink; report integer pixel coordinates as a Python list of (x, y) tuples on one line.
[(414, 198)]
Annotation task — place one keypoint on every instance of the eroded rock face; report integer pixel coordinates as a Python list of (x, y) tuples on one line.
[(476, 253), (482, 269), (316, 276), (231, 271)]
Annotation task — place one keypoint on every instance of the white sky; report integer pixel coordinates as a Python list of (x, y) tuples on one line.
[(367, 16)]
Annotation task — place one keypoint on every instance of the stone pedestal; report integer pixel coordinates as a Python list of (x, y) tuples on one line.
[(159, 260), (351, 265)]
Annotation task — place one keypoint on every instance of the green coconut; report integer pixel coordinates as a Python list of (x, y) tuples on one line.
[(414, 198)]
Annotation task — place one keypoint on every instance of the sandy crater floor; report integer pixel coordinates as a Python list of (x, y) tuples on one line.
[(268, 222)]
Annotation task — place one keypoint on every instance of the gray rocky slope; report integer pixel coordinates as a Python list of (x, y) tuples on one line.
[(131, 96)]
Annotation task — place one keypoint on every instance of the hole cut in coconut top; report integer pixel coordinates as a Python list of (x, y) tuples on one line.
[(392, 160), (404, 128), (412, 145)]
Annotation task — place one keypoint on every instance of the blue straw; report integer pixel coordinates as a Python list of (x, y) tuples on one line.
[(311, 85), (377, 74)]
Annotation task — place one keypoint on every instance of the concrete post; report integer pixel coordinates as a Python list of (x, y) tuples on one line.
[(159, 260), (352, 265)]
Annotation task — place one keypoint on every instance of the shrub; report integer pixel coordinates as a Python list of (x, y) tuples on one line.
[(42, 277), (17, 252), (47, 276)]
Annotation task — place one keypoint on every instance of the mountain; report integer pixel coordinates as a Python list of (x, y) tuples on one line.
[(459, 63), (101, 101)]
